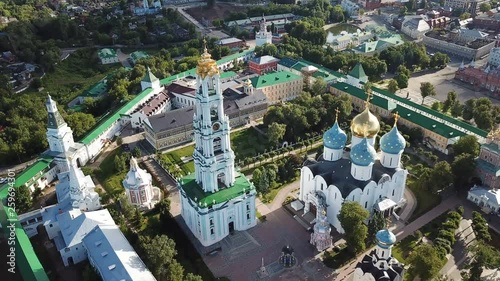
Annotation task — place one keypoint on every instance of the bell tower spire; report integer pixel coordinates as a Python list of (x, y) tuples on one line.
[(59, 135), (213, 156)]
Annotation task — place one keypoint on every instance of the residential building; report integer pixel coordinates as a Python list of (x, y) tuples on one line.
[(263, 64), (486, 78), (263, 36), (348, 40), (494, 58), (376, 181), (439, 22), (139, 187), (350, 7), (380, 264), (107, 56), (470, 6), (232, 43), (137, 55), (490, 21), (487, 199), (375, 47), (215, 200), (447, 44), (279, 86), (157, 104), (488, 162), (415, 27)]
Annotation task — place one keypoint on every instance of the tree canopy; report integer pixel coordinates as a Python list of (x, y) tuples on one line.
[(467, 145), (425, 262), (352, 216), (427, 90)]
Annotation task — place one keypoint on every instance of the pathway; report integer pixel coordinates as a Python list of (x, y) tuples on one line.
[(405, 231), (459, 254)]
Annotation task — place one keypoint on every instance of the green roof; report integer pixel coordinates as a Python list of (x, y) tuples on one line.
[(488, 167), (359, 93), (137, 55), (33, 171), (234, 56), (98, 89), (333, 74), (359, 72), (274, 78), (196, 193), (382, 98), (149, 77), (493, 147), (106, 53), (104, 125), (228, 74), (434, 113)]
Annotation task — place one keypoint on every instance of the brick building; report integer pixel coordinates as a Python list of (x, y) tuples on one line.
[(488, 78), (263, 64)]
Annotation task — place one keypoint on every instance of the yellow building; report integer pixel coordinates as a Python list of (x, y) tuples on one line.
[(279, 86)]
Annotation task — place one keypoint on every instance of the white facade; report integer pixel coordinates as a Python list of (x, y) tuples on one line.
[(485, 198), (210, 213), (82, 190), (415, 27), (494, 58), (263, 36)]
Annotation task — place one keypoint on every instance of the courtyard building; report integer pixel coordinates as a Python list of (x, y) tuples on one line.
[(449, 44), (263, 64), (279, 86), (216, 200)]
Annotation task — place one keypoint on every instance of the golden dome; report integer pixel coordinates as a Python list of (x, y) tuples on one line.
[(365, 124), (206, 65)]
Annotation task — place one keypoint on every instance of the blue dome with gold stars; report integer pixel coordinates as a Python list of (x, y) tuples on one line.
[(363, 154), (335, 137), (392, 142)]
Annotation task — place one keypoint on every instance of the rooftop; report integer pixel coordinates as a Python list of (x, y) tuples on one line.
[(476, 44), (114, 256), (264, 60), (229, 41), (106, 53), (137, 55), (76, 224), (274, 78), (98, 89), (241, 186)]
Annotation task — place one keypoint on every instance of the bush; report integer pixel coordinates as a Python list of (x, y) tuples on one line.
[(461, 210)]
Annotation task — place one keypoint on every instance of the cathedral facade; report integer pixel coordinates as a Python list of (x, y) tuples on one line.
[(376, 180), (216, 200)]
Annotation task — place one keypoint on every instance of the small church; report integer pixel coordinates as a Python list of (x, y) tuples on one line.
[(139, 187), (355, 172), (216, 200), (263, 36)]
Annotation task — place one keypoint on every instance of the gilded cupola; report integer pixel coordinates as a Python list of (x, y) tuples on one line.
[(206, 65), (365, 121)]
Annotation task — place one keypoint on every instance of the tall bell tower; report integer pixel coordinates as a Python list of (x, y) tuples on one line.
[(59, 134), (213, 157)]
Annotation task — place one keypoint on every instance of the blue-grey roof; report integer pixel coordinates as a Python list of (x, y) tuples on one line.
[(363, 154), (264, 60), (392, 142), (113, 256), (288, 62), (75, 225), (335, 137), (385, 238)]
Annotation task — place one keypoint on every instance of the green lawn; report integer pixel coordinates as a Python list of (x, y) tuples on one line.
[(336, 259), (425, 200), (108, 177), (248, 143), (402, 249)]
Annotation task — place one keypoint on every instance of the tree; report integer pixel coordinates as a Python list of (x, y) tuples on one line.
[(80, 123), (457, 110), (426, 90), (275, 132), (138, 217), (403, 10), (120, 162), (126, 208), (23, 199), (164, 209), (159, 252), (377, 223), (136, 152), (463, 168), (175, 271), (484, 256), (464, 16), (451, 100), (319, 87), (441, 176), (337, 14), (439, 60), (393, 86), (467, 144), (367, 87), (351, 217), (192, 277), (485, 7), (483, 117), (425, 262), (402, 81)]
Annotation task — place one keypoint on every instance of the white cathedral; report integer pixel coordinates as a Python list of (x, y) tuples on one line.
[(216, 200), (375, 180)]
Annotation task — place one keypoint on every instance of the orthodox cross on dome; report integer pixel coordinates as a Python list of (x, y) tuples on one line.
[(368, 98), (337, 111), (396, 118), (205, 45)]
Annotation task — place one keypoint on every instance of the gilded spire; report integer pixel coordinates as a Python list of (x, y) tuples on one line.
[(337, 111), (396, 118), (368, 98), (206, 65), (205, 51)]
